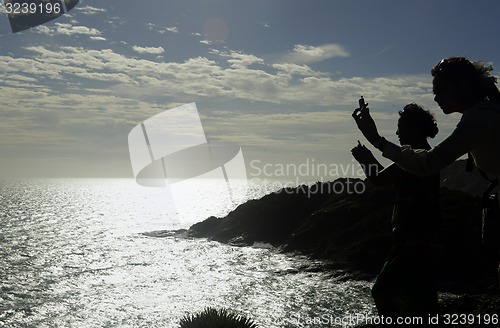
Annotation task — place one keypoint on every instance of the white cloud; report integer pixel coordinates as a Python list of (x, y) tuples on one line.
[(149, 50), (172, 29), (42, 29), (236, 75), (304, 54), (162, 29), (67, 29), (88, 10), (295, 69), (239, 59)]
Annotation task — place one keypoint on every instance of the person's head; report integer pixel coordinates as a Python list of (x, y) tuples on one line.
[(415, 125), (459, 83)]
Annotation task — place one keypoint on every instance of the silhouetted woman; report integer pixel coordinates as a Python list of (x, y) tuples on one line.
[(406, 286)]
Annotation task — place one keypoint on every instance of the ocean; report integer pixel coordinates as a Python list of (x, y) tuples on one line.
[(102, 253)]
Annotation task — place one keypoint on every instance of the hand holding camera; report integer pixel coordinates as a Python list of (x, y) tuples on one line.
[(365, 122)]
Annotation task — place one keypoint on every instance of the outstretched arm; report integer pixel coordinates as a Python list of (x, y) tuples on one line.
[(467, 136), (374, 171)]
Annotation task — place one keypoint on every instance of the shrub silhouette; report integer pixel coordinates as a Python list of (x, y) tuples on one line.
[(213, 318)]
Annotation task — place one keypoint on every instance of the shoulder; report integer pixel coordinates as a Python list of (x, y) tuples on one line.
[(476, 118), (482, 111)]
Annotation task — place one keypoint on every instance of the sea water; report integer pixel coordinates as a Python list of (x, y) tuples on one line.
[(101, 253)]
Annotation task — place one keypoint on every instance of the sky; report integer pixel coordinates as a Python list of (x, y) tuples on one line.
[(278, 77)]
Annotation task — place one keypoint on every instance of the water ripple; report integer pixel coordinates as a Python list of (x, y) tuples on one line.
[(101, 253)]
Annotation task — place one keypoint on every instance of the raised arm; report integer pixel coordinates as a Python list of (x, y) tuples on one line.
[(467, 136)]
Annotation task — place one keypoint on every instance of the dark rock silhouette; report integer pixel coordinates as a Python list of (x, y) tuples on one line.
[(271, 219), (351, 232)]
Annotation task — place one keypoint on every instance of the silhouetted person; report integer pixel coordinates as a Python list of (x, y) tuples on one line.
[(459, 86), (406, 285)]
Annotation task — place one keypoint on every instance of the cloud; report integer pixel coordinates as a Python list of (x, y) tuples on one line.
[(172, 29), (66, 98), (67, 29), (229, 75), (162, 29), (295, 69), (149, 50), (304, 54), (88, 10), (42, 29), (125, 82), (239, 59)]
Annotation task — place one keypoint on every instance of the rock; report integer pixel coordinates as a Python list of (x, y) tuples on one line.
[(271, 219), (352, 231), (204, 228)]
